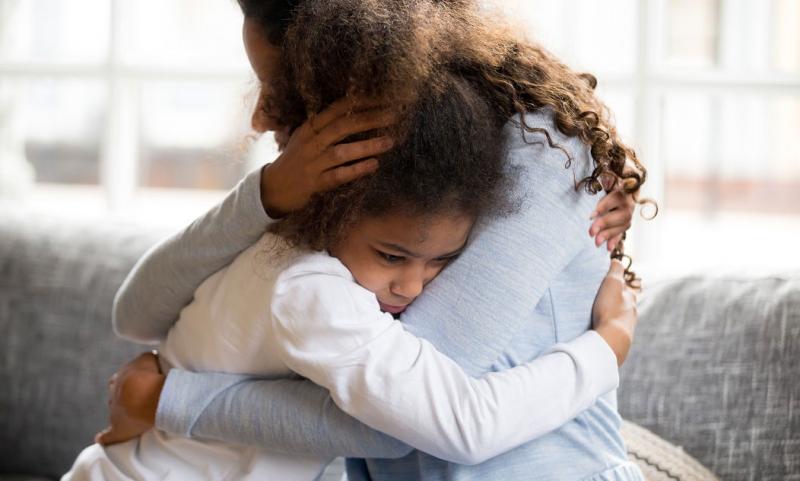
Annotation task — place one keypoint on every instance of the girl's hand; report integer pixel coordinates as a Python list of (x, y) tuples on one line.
[(314, 160), (614, 314), (133, 393), (612, 218)]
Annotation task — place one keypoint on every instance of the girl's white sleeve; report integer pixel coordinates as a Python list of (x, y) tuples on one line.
[(331, 330)]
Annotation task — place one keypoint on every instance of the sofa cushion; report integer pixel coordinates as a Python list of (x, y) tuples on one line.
[(659, 459), (22, 477), (716, 369), (57, 349)]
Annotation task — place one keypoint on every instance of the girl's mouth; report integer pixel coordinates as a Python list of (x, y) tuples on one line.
[(392, 309)]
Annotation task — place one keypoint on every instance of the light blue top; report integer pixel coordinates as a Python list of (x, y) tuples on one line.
[(525, 283)]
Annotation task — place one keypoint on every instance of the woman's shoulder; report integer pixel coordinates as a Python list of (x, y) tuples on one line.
[(536, 137)]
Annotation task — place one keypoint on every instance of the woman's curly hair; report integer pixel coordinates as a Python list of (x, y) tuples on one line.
[(394, 49)]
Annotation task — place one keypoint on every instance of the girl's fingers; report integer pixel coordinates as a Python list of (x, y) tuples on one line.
[(612, 243), (344, 153), (613, 219), (616, 200), (608, 234), (342, 175)]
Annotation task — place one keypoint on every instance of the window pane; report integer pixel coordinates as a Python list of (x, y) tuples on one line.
[(732, 152), (786, 39), (194, 134), (692, 31), (60, 126), (185, 33), (620, 102), (58, 31), (588, 35)]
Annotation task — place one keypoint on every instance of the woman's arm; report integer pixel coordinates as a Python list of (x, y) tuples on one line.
[(163, 281), (282, 415)]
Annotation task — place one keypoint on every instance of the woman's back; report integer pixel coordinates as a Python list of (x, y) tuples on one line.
[(565, 276)]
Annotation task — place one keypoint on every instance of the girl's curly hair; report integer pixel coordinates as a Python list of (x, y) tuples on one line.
[(450, 160), (394, 49)]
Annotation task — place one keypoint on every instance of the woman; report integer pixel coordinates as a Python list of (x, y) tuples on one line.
[(487, 319)]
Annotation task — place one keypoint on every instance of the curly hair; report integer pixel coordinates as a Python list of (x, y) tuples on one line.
[(394, 49), (450, 161)]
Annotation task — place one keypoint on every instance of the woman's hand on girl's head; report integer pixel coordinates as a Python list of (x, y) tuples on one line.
[(314, 160), (133, 394), (614, 314), (612, 217)]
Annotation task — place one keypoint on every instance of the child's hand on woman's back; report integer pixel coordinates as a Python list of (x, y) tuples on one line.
[(614, 313), (612, 217)]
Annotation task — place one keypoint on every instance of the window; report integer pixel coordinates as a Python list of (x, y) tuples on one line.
[(117, 99), (708, 92), (129, 101)]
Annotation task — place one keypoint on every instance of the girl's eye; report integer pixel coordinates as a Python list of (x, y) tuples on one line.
[(445, 260), (390, 258)]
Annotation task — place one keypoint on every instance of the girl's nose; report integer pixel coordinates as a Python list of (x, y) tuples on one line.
[(409, 286)]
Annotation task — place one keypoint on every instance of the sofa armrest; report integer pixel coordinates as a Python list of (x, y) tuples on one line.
[(57, 283), (716, 369)]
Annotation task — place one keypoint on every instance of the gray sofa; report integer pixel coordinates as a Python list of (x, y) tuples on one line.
[(715, 369)]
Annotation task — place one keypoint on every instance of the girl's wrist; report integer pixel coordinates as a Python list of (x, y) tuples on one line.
[(618, 338)]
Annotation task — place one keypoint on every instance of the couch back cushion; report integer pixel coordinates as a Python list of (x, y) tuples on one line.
[(716, 369), (57, 348)]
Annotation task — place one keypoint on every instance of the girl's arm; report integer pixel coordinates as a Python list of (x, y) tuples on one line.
[(331, 330)]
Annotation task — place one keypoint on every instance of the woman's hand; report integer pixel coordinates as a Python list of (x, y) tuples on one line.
[(614, 314), (314, 160), (612, 218), (133, 393)]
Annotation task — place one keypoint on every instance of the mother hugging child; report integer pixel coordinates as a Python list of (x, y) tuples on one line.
[(409, 285)]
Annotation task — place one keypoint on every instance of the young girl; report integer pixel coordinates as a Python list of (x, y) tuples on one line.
[(322, 287)]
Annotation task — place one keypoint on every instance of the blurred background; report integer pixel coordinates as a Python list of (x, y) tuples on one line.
[(140, 109)]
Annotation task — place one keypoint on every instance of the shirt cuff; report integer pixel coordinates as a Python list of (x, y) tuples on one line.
[(250, 190), (595, 358), (186, 395)]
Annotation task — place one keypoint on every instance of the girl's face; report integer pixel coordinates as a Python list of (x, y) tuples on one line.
[(395, 256), (264, 59)]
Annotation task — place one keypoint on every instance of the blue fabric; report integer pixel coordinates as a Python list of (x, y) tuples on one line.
[(478, 313)]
